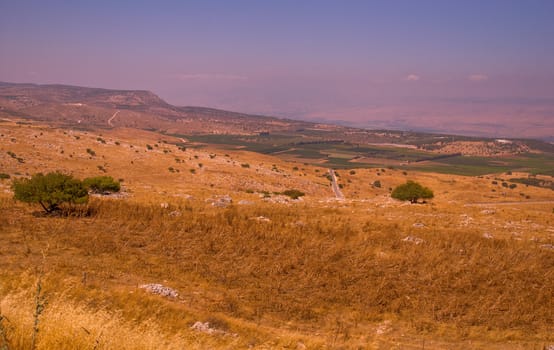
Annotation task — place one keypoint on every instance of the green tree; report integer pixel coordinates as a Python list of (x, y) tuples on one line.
[(411, 191), (50, 190), (101, 184)]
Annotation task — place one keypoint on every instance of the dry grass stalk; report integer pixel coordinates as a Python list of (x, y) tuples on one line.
[(3, 337), (40, 304)]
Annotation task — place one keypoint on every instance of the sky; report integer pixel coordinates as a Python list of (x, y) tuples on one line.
[(473, 64)]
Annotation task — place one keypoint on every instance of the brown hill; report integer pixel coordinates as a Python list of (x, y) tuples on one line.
[(87, 108), (93, 107)]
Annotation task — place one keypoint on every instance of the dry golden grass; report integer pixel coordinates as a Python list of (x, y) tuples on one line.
[(308, 270), (314, 274)]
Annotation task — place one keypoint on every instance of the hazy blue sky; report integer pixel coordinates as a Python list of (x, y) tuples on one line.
[(348, 60)]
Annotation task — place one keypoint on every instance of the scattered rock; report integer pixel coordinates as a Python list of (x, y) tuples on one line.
[(279, 199), (549, 347), (164, 205), (488, 212), (384, 327), (205, 327), (487, 235), (261, 219), (547, 246), (112, 195), (418, 224), (220, 201), (156, 288), (185, 196), (245, 202), (412, 239), (466, 220), (175, 213)]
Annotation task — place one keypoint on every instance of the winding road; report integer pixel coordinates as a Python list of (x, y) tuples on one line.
[(336, 188), (112, 117)]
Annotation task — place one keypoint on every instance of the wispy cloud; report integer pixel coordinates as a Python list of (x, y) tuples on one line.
[(478, 77), (210, 76), (413, 77)]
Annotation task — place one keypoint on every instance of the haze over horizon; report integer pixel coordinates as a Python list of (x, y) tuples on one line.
[(469, 67)]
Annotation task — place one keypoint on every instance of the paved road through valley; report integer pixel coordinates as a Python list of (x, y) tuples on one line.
[(110, 120), (336, 189)]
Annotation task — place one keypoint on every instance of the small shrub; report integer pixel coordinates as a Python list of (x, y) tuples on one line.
[(245, 165), (148, 147), (4, 176), (101, 184), (352, 172), (294, 194), (91, 152), (377, 184)]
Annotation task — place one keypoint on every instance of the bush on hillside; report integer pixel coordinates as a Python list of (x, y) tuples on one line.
[(294, 194), (411, 191), (50, 190), (101, 184)]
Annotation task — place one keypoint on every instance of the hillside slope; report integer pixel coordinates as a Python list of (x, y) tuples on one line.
[(472, 269)]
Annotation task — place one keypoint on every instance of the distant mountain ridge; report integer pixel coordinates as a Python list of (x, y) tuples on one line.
[(93, 107), (99, 108)]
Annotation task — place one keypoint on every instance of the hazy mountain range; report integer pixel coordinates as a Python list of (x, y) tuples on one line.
[(144, 109)]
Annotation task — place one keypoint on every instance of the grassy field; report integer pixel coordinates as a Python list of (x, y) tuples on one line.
[(329, 280), (347, 155), (471, 269)]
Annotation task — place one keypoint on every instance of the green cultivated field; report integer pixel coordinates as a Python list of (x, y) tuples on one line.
[(343, 155)]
